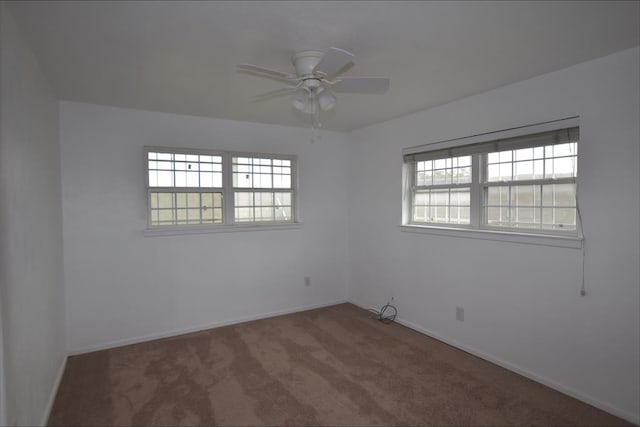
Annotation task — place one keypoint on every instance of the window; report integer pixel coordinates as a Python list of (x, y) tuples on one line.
[(525, 183), (262, 189), (441, 191), (200, 187)]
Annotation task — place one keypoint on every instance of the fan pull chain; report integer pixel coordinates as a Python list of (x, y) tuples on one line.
[(315, 120)]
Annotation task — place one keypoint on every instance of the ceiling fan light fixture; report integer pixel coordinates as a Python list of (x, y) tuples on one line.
[(311, 107), (300, 99), (326, 99)]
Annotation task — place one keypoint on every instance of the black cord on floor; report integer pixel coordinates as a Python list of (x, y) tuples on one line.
[(387, 313)]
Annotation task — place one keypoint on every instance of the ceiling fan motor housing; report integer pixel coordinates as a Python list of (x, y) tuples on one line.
[(304, 62)]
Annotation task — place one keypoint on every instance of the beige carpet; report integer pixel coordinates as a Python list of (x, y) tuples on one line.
[(331, 366)]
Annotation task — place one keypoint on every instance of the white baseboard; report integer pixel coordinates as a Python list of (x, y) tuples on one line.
[(54, 392), (175, 332), (628, 416)]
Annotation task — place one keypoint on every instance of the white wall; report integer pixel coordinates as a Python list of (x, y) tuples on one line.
[(522, 303), (31, 276), (122, 286)]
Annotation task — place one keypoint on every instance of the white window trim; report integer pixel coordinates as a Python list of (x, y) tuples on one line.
[(475, 230), (497, 235), (227, 195), (179, 230)]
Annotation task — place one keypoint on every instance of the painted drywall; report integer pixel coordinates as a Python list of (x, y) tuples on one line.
[(122, 286), (522, 303), (3, 393), (31, 266)]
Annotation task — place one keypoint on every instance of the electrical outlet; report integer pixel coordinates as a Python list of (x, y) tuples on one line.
[(460, 314), (307, 281)]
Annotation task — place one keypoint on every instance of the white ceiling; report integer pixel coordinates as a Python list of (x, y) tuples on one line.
[(180, 56)]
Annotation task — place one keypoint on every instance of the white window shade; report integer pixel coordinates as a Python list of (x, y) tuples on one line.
[(559, 136)]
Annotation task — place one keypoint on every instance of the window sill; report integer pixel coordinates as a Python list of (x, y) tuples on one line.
[(501, 236), (184, 230)]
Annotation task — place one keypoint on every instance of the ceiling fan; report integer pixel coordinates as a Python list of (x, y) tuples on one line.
[(315, 79)]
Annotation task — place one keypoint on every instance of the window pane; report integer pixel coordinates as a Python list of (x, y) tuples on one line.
[(525, 195), (420, 213), (185, 208), (265, 181), (538, 152), (283, 181), (506, 156), (283, 199), (206, 179), (568, 149), (565, 218), (164, 165), (181, 179), (193, 199), (192, 179), (523, 217), (547, 218), (531, 206), (524, 170), (181, 170), (559, 195), (194, 215), (421, 179), (505, 171), (262, 206), (551, 162), (165, 200), (439, 177), (538, 169), (181, 200), (165, 216), (497, 216), (493, 173), (266, 199), (441, 206), (563, 167), (266, 214), (497, 196), (249, 172), (283, 213), (524, 154), (440, 197), (464, 215), (244, 214), (165, 179), (153, 178), (464, 175)]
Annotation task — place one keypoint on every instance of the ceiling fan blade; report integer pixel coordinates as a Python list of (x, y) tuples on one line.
[(274, 93), (266, 72), (362, 84), (333, 61)]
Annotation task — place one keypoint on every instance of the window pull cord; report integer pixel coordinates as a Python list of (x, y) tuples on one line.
[(583, 291)]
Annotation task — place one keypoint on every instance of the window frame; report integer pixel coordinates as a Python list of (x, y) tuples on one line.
[(227, 191), (478, 226), (414, 188)]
